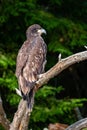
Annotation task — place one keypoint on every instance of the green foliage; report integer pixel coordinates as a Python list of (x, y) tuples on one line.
[(48, 108), (71, 35), (66, 25), (7, 78), (48, 90), (4, 62), (1, 128)]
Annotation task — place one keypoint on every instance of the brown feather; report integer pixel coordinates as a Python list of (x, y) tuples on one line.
[(31, 61)]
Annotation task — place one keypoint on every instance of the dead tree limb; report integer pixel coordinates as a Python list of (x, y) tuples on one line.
[(20, 121), (60, 66), (3, 119), (79, 125), (22, 116)]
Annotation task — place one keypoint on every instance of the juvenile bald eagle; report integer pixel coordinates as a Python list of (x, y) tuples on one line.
[(31, 61)]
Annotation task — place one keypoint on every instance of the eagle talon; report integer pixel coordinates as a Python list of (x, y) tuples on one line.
[(40, 76)]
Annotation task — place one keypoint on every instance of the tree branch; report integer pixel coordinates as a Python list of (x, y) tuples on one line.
[(21, 117), (3, 119), (78, 125), (60, 66)]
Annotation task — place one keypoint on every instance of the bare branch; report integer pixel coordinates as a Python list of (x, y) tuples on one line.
[(78, 125), (25, 120), (3, 119), (78, 113), (15, 125), (60, 66), (21, 117)]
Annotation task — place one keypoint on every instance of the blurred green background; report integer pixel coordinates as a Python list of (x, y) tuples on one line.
[(66, 24)]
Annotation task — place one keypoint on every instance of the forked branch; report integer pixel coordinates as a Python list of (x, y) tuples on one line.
[(44, 78), (21, 117)]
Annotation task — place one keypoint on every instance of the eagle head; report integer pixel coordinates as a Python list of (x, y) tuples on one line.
[(35, 30)]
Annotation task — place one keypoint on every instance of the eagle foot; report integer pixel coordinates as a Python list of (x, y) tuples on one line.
[(40, 76)]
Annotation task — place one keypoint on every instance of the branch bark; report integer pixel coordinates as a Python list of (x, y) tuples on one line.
[(44, 78), (78, 125), (60, 66), (3, 119), (22, 116)]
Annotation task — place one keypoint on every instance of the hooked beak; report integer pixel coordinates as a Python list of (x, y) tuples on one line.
[(40, 31)]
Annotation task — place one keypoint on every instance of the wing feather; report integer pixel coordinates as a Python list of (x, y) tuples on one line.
[(30, 63), (37, 57), (22, 58)]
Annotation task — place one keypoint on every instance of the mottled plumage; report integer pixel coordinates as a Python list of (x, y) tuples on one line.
[(31, 61)]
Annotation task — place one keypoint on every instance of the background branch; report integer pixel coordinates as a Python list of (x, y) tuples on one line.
[(21, 117), (3, 119), (78, 125)]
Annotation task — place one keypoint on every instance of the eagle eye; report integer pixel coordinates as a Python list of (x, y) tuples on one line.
[(34, 30)]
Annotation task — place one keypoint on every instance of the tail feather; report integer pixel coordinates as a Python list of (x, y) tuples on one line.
[(29, 98)]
